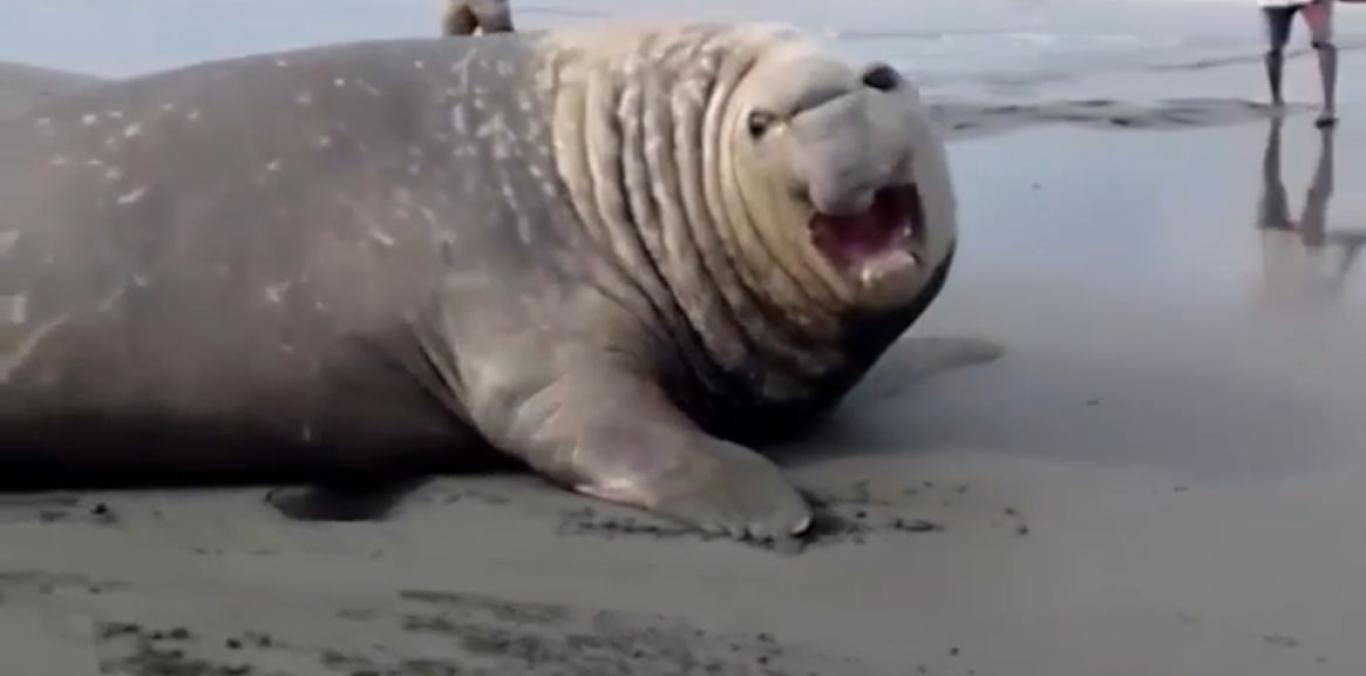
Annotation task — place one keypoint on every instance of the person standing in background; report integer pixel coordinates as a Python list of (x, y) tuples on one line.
[(464, 17), (1318, 16)]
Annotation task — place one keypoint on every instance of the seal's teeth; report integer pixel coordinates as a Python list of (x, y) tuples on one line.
[(883, 267), (868, 276)]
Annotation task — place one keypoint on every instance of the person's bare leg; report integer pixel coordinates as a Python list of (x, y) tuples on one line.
[(1319, 16), (466, 17), (458, 19), (1275, 62), (1275, 66), (1328, 69), (1277, 22)]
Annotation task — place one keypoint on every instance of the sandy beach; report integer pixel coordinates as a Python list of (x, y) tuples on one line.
[(1128, 440)]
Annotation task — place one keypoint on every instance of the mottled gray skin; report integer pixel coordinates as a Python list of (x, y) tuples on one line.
[(387, 258), (466, 17), (23, 88)]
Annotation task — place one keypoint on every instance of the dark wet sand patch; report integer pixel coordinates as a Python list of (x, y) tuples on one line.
[(56, 508), (449, 633), (37, 584), (965, 119)]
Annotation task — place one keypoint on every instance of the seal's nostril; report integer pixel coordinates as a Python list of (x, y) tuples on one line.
[(881, 77)]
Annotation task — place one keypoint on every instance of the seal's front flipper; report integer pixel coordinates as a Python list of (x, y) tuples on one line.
[(339, 501), (612, 433), (713, 485)]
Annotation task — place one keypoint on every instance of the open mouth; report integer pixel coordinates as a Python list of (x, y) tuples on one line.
[(891, 224)]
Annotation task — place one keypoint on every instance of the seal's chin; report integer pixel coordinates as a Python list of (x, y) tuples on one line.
[(880, 246)]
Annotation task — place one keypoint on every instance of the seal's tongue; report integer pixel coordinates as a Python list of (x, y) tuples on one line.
[(859, 238)]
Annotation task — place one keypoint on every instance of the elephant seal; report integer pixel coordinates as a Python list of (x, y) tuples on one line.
[(464, 17), (622, 256), (25, 87)]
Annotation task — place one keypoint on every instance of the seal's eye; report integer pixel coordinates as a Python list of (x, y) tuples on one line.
[(760, 121), (881, 77)]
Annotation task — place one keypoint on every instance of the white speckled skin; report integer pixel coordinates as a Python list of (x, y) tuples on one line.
[(387, 256)]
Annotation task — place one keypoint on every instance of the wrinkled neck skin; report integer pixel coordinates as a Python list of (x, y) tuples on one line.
[(640, 129)]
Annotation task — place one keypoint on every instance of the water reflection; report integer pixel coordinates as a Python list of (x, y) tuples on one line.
[(1302, 259)]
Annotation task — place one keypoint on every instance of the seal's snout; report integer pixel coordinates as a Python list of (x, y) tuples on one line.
[(851, 152), (834, 198), (842, 164)]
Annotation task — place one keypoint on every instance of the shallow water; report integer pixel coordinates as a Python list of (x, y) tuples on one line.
[(999, 42), (1146, 317)]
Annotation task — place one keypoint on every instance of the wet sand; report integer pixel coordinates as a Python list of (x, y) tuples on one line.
[(1126, 441)]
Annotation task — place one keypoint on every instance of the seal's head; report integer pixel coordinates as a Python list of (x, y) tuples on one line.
[(797, 210), (843, 166)]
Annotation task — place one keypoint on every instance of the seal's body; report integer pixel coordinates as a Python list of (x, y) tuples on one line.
[(612, 263)]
